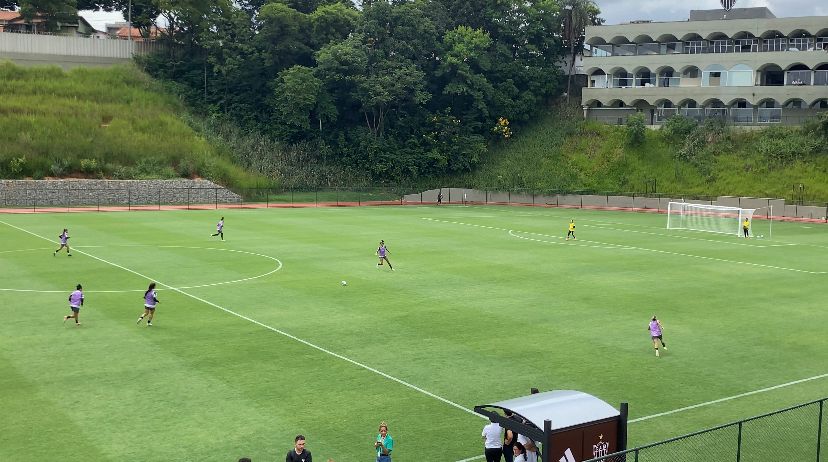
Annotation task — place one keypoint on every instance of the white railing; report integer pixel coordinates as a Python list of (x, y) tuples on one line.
[(769, 115)]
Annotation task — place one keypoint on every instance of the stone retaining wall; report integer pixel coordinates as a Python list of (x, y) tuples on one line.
[(89, 193)]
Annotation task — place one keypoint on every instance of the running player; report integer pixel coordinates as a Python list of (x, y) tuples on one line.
[(220, 229), (656, 335), (746, 228), (150, 300), (571, 231), (75, 304), (382, 253), (64, 242)]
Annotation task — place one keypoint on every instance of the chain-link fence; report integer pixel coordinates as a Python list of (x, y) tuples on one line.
[(146, 195), (798, 433)]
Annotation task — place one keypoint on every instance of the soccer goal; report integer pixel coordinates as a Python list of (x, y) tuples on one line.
[(710, 218)]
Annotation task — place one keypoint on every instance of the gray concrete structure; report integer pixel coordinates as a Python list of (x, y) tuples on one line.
[(68, 52), (92, 193), (745, 66)]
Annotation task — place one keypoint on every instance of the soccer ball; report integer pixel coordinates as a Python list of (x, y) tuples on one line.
[(344, 283)]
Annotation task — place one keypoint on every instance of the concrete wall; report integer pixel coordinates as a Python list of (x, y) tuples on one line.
[(91, 193), (68, 52)]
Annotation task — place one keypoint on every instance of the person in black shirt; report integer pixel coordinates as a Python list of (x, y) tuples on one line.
[(299, 453)]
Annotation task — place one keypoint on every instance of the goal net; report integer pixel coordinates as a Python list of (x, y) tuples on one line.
[(710, 218)]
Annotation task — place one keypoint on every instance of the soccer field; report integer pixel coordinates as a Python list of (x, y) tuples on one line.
[(255, 340)]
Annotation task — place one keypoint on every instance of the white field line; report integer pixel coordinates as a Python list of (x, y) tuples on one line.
[(270, 328), (674, 236), (623, 247), (278, 267), (708, 403)]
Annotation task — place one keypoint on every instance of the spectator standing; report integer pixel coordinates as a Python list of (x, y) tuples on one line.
[(384, 444), (493, 448), (299, 453), (519, 452)]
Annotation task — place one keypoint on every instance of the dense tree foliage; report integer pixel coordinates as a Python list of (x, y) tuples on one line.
[(398, 88)]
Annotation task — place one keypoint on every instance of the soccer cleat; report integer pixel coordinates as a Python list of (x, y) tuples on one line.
[(657, 355), (70, 254), (139, 321), (77, 324), (664, 348), (54, 253), (149, 324)]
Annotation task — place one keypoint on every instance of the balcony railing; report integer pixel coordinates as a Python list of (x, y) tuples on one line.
[(749, 45)]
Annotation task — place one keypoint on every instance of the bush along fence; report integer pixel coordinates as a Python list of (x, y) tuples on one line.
[(143, 194), (796, 433)]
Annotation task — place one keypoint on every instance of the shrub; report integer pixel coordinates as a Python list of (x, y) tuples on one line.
[(785, 145), (60, 167), (17, 165), (678, 127), (89, 165), (636, 130)]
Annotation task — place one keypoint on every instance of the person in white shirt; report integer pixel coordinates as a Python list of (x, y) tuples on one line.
[(520, 452), (531, 454), (491, 441)]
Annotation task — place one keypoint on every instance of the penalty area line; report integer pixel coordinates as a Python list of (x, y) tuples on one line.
[(270, 328)]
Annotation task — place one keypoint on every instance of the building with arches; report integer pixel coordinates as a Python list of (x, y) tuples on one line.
[(745, 66)]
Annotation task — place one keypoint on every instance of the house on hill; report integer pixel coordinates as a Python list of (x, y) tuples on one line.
[(12, 21)]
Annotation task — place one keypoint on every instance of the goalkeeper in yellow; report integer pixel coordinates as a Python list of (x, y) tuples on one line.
[(571, 231), (746, 228)]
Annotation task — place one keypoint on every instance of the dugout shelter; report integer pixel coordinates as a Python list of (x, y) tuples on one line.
[(568, 425)]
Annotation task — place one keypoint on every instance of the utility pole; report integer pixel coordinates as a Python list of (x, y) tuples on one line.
[(129, 22)]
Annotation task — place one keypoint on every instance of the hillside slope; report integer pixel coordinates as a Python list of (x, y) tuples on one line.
[(100, 123), (561, 151)]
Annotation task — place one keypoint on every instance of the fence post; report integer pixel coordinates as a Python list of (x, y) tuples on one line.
[(215, 197), (739, 444), (159, 198), (819, 428), (267, 198), (129, 198), (188, 198)]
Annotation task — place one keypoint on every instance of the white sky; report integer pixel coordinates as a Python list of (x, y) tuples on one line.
[(619, 11)]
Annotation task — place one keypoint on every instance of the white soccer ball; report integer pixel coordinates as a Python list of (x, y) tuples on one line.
[(344, 283)]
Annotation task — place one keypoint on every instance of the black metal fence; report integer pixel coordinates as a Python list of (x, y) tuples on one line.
[(798, 433)]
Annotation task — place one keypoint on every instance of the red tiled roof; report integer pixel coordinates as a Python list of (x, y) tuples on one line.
[(9, 15)]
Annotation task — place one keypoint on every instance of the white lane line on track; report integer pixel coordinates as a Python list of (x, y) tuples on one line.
[(627, 247), (270, 328)]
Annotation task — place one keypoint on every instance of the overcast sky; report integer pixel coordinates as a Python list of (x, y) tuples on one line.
[(619, 11)]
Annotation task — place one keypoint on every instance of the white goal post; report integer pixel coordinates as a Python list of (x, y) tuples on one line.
[(709, 218)]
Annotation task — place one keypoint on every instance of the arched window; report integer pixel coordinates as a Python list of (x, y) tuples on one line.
[(714, 75), (740, 75)]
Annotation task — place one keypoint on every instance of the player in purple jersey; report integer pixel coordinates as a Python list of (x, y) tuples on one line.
[(75, 303), (382, 253), (150, 300), (220, 229), (655, 333), (64, 242)]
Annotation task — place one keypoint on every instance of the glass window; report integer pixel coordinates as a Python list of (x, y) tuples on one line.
[(695, 47), (746, 45), (798, 78), (801, 44), (776, 44), (648, 48), (722, 46), (740, 79), (821, 77), (602, 50), (672, 48), (627, 49)]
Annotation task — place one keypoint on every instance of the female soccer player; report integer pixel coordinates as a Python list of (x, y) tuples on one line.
[(150, 300), (382, 253), (220, 229), (75, 302), (655, 334), (571, 230), (64, 242)]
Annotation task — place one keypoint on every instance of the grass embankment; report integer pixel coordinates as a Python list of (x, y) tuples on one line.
[(561, 151), (101, 123)]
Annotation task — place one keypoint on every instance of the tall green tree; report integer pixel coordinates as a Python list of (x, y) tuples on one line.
[(577, 15), (300, 100)]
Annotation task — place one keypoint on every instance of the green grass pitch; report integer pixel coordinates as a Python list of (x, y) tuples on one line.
[(255, 340)]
